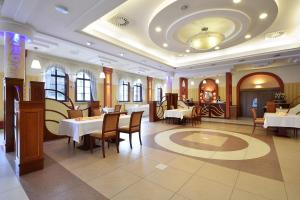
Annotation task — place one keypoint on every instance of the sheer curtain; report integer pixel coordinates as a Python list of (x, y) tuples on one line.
[(93, 83)]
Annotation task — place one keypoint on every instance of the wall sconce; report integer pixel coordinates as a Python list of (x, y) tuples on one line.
[(35, 64), (217, 81), (183, 84), (102, 75), (192, 83), (139, 81), (204, 81)]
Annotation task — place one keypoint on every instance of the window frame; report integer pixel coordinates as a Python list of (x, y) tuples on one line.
[(159, 92), (66, 80), (83, 79), (140, 87), (128, 90)]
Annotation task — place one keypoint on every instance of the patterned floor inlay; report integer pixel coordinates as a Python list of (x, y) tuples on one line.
[(236, 150)]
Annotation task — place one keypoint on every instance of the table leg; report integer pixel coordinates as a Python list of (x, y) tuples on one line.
[(86, 144)]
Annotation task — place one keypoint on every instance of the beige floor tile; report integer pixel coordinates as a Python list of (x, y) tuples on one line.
[(178, 197), (8, 182), (243, 195), (160, 156), (186, 164), (218, 173), (293, 191), (268, 188), (291, 175), (144, 190), (169, 178), (17, 193), (201, 188), (141, 167), (114, 182)]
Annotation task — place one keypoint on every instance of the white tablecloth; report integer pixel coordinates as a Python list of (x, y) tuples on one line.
[(76, 129), (276, 120), (177, 113), (108, 110)]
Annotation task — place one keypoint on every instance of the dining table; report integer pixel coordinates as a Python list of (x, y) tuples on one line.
[(82, 127), (282, 121), (178, 113)]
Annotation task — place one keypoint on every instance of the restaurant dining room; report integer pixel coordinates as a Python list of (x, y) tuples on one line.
[(150, 100)]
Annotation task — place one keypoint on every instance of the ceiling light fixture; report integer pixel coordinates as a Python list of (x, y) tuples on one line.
[(89, 43), (237, 1), (217, 81), (35, 64), (192, 83), (122, 54), (62, 9), (248, 36), (263, 15), (205, 40), (217, 48), (204, 81), (187, 50), (102, 74), (158, 29), (165, 44)]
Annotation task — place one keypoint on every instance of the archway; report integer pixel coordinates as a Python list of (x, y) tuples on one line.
[(260, 85)]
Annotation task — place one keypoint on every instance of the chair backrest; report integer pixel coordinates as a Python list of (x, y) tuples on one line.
[(135, 120), (96, 112), (118, 108), (198, 110), (194, 111), (110, 122), (74, 114), (253, 111), (271, 107)]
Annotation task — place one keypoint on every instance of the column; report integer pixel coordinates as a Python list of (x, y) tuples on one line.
[(149, 89), (228, 93), (107, 87)]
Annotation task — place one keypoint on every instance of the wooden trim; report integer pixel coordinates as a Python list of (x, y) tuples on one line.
[(238, 87), (149, 89), (183, 91), (107, 86)]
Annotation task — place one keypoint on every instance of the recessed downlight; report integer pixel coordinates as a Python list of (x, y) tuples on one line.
[(121, 54), (187, 50), (165, 45), (62, 9), (158, 29), (263, 15), (236, 1), (248, 36), (217, 48), (89, 43)]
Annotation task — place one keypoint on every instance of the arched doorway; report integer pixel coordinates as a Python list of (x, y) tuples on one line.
[(255, 89)]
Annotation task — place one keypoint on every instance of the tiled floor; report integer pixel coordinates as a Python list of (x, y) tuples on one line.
[(134, 174)]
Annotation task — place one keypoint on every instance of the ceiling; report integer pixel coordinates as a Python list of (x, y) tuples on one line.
[(122, 34)]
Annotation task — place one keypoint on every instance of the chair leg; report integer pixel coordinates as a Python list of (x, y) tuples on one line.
[(69, 139), (130, 138), (74, 143), (91, 144), (108, 143), (140, 137), (253, 128), (103, 148), (117, 142)]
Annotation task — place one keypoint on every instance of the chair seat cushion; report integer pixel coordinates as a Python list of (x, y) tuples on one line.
[(259, 120), (106, 135), (125, 129)]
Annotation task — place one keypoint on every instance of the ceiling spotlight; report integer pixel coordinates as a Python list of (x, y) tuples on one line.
[(62, 9), (89, 43), (263, 15), (122, 54), (192, 83), (217, 81), (158, 29), (187, 50), (248, 36), (217, 48), (165, 44), (237, 1)]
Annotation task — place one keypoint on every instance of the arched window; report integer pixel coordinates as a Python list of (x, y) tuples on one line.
[(83, 87), (124, 91), (137, 92), (57, 81)]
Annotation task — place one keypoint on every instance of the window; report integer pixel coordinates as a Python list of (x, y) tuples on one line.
[(124, 91), (83, 87), (137, 93), (57, 81), (159, 94)]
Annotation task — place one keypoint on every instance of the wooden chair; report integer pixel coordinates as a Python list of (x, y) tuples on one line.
[(134, 126), (118, 108), (256, 121), (271, 107), (96, 112), (71, 115), (192, 118), (198, 113), (109, 132)]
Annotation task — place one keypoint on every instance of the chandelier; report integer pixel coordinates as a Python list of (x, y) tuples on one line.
[(205, 40)]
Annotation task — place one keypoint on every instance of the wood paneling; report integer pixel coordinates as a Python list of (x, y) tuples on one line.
[(228, 93), (10, 94), (152, 111), (149, 89), (171, 99), (183, 88), (37, 91), (29, 131), (108, 87)]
